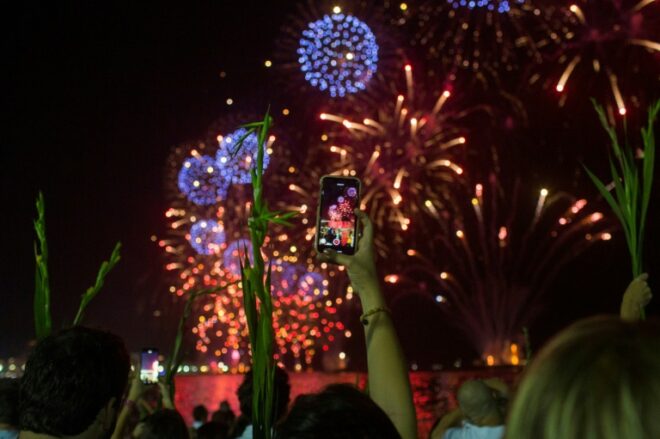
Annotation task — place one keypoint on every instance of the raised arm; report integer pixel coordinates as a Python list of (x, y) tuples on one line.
[(134, 395), (637, 296), (389, 386), (165, 394), (450, 420)]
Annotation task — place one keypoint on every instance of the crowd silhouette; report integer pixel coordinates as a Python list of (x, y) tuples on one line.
[(598, 378)]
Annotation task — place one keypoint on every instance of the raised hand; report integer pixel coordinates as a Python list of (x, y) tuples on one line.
[(637, 296), (360, 266)]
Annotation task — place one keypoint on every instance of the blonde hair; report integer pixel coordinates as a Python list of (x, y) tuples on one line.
[(599, 378)]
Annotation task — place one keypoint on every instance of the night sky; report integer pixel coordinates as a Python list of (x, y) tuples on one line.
[(94, 99)]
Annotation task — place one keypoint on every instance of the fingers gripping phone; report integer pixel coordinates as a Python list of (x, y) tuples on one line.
[(149, 366), (336, 223)]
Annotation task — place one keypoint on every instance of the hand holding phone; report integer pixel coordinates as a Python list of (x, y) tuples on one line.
[(358, 258), (336, 224)]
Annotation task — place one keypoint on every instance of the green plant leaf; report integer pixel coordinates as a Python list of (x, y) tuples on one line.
[(254, 125), (239, 143), (174, 361), (611, 132), (42, 316), (92, 291), (256, 288), (648, 139), (605, 194)]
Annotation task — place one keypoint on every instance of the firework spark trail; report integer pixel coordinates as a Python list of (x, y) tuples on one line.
[(404, 151), (500, 259), (488, 37), (605, 46)]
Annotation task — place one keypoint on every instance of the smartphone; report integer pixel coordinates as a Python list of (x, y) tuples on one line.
[(149, 366), (336, 223)]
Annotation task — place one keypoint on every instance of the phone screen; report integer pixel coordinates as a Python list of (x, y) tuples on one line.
[(149, 366), (336, 227)]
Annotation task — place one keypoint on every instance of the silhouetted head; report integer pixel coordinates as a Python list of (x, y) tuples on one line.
[(282, 391), (339, 412), (162, 424), (478, 403), (223, 417), (224, 414), (200, 413), (74, 382), (225, 407), (598, 378)]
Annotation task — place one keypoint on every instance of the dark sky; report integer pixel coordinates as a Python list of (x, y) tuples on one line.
[(95, 97)]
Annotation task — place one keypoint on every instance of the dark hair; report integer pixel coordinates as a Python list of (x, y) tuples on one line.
[(200, 413), (164, 424), (213, 430), (282, 393), (225, 407), (339, 412), (9, 401), (224, 414), (69, 377)]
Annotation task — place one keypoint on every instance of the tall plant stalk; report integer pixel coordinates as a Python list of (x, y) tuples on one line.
[(42, 317), (255, 281), (173, 363), (43, 323), (632, 184)]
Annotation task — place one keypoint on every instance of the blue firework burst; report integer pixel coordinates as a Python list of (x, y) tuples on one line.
[(236, 163), (207, 237), (338, 54), (200, 180), (501, 6)]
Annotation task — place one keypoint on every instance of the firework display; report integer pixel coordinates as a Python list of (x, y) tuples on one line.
[(495, 6), (483, 36), (207, 237), (236, 164), (334, 52), (404, 151), (607, 46), (201, 181), (485, 251), (338, 54), (501, 252), (206, 242)]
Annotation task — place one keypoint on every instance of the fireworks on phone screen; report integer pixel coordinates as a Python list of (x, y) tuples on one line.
[(337, 222)]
